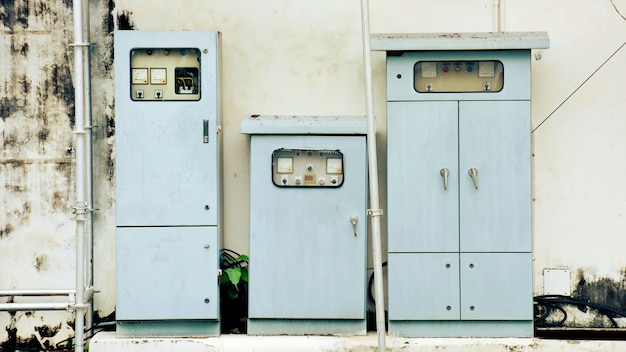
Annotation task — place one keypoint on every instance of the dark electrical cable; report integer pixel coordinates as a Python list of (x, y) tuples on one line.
[(617, 10), (578, 88)]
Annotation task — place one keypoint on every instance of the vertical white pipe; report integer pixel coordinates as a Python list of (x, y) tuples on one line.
[(89, 162), (374, 211), (496, 16), (79, 145)]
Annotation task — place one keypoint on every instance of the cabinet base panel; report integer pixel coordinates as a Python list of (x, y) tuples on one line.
[(444, 328), (306, 327), (168, 328)]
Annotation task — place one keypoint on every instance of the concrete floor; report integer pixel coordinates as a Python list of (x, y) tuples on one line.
[(107, 342)]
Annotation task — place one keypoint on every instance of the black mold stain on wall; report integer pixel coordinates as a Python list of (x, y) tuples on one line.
[(124, 21), (605, 291)]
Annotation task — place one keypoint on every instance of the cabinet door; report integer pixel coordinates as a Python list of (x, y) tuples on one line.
[(424, 286), (494, 139), (422, 140), (496, 286), (306, 262), (167, 273)]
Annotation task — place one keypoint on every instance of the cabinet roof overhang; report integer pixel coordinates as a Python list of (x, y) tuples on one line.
[(459, 41), (308, 124)]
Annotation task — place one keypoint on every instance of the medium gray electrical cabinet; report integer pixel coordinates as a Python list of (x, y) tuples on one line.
[(167, 182), (459, 183), (308, 233)]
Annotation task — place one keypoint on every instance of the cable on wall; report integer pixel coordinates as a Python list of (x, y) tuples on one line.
[(585, 81), (580, 86)]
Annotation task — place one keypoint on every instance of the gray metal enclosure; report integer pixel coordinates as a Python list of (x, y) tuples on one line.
[(167, 182), (308, 224), (459, 184)]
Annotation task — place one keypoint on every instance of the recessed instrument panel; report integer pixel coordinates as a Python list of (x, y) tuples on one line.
[(458, 76), (165, 74), (307, 168)]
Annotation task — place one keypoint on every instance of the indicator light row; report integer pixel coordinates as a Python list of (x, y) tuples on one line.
[(167, 52), (469, 68)]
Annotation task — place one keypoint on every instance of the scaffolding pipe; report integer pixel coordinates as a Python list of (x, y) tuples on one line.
[(80, 207), (374, 212), (13, 307), (5, 293)]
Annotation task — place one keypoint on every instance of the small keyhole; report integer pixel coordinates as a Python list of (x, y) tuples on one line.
[(207, 207)]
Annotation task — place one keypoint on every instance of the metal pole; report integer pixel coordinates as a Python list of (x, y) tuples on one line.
[(12, 307), (36, 292), (89, 162), (80, 206), (374, 212)]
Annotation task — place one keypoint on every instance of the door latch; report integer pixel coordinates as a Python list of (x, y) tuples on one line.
[(354, 220), (205, 131)]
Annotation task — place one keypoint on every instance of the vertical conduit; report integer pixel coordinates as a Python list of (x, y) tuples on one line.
[(89, 163), (374, 212), (497, 16), (80, 205)]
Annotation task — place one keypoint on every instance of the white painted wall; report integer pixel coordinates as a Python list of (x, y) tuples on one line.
[(305, 57)]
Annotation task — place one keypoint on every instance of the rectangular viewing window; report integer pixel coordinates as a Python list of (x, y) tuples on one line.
[(307, 168), (162, 74), (486, 76)]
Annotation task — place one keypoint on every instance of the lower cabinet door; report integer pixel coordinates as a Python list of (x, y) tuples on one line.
[(423, 286), (167, 273), (496, 286)]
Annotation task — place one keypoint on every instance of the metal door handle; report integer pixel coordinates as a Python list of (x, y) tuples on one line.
[(473, 172), (445, 173), (205, 131), (354, 220)]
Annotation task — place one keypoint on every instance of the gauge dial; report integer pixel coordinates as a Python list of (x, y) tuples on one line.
[(284, 165), (334, 166), (158, 76), (140, 75)]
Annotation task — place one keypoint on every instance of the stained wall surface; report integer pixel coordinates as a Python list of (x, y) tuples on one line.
[(299, 58)]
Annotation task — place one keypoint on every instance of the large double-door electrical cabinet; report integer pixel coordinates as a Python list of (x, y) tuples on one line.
[(308, 233), (459, 183), (167, 182)]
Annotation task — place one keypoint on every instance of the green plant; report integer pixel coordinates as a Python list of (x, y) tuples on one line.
[(234, 274), (233, 291)]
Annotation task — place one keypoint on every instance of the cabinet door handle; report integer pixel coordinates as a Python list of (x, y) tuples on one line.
[(354, 220), (445, 173), (473, 172), (205, 131)]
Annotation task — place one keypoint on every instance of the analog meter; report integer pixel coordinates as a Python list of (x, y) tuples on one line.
[(140, 76), (158, 76)]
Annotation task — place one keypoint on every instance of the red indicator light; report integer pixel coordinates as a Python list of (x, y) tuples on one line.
[(149, 52), (445, 69)]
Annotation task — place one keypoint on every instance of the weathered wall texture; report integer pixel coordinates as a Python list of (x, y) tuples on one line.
[(299, 57)]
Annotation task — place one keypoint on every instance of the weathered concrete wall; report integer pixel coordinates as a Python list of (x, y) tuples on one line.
[(299, 57)]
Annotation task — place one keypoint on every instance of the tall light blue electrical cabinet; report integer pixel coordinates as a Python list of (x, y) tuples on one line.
[(459, 183), (308, 224), (168, 202)]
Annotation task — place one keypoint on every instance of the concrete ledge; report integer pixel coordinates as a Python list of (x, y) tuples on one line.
[(108, 342)]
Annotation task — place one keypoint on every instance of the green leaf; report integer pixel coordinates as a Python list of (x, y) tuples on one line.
[(234, 275), (243, 258), (244, 274)]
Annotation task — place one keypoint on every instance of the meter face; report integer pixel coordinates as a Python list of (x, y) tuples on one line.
[(307, 168), (165, 74), (485, 76)]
